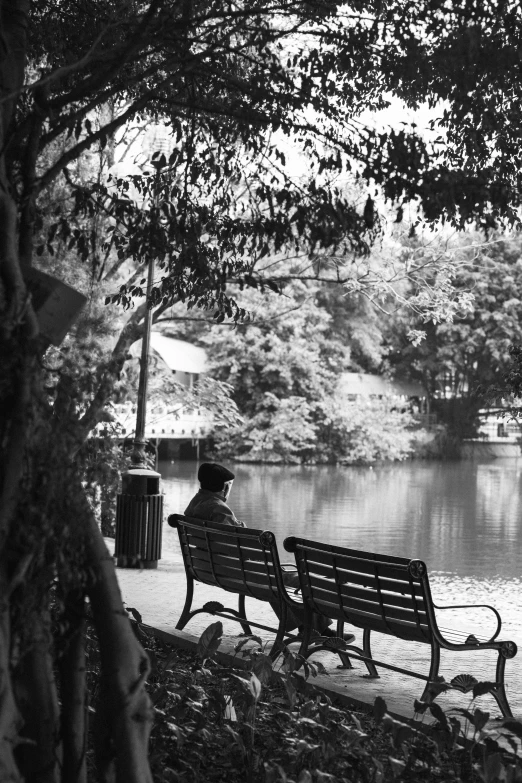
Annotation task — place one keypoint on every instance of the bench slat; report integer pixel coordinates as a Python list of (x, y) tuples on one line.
[(367, 580), (371, 605), (258, 571), (196, 526), (262, 593), (229, 534), (358, 554), (226, 541), (349, 592), (231, 548), (231, 579), (233, 571), (383, 568), (358, 617), (257, 566), (238, 555)]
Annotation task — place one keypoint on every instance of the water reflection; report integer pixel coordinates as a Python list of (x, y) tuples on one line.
[(462, 518)]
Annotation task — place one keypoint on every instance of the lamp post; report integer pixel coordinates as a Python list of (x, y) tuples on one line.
[(138, 457), (139, 506), (160, 146)]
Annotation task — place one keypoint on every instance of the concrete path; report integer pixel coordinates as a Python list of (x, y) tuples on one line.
[(159, 594)]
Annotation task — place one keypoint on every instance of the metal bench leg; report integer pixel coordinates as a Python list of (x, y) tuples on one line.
[(277, 646), (372, 671), (304, 652), (427, 694), (499, 694), (242, 613), (345, 660), (185, 614)]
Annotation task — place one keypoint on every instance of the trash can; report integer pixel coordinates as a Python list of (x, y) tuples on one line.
[(139, 520)]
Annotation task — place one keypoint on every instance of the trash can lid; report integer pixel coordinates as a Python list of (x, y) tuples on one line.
[(145, 472)]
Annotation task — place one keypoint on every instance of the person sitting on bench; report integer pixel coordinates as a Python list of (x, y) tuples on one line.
[(210, 503)]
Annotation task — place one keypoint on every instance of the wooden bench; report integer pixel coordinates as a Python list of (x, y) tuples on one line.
[(239, 560), (390, 595)]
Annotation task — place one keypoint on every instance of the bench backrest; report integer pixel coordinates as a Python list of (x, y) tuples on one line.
[(240, 560), (381, 592)]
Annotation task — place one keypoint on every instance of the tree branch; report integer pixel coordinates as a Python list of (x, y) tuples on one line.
[(76, 151), (66, 70)]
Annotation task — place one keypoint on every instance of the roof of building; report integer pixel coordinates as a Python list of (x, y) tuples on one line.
[(367, 385), (178, 355)]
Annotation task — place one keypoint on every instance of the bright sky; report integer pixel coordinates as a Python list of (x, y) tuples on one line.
[(398, 113)]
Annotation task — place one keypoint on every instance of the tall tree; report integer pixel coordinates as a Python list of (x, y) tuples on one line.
[(458, 361), (229, 76), (285, 367)]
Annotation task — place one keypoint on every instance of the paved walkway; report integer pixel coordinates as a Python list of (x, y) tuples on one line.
[(159, 594)]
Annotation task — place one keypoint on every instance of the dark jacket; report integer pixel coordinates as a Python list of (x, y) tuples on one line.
[(211, 505)]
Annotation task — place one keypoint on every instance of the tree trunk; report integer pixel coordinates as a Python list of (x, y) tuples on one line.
[(10, 718), (39, 757), (124, 712), (73, 693), (34, 493)]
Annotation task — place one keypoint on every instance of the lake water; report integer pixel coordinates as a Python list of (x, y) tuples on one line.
[(464, 519)]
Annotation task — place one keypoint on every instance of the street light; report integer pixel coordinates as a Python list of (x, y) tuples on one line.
[(139, 506)]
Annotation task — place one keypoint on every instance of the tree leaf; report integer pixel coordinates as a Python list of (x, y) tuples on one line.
[(255, 686), (514, 726), (483, 687), (289, 662), (480, 719), (230, 711), (438, 713), (379, 709), (263, 668), (246, 640), (467, 714), (493, 768), (397, 766), (291, 691), (210, 640)]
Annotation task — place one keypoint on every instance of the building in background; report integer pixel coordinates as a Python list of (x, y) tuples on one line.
[(357, 384), (402, 394), (174, 432)]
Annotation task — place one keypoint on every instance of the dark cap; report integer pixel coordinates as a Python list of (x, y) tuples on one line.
[(212, 476)]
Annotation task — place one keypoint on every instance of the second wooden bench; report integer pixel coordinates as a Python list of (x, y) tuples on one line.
[(389, 595)]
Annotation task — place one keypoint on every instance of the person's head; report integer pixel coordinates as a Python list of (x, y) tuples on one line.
[(215, 478)]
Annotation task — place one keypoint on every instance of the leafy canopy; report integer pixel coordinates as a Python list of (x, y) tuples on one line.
[(231, 81)]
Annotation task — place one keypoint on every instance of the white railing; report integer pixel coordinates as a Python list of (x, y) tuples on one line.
[(162, 422)]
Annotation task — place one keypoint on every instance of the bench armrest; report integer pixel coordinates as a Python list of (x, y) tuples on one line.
[(478, 606)]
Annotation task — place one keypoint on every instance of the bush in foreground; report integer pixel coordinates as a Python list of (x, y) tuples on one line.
[(254, 724)]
